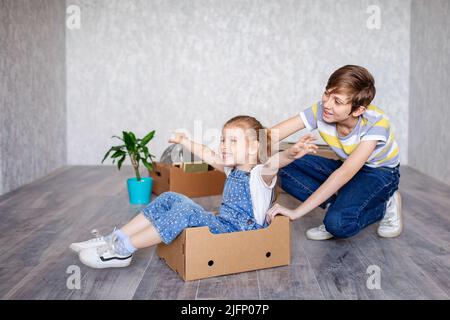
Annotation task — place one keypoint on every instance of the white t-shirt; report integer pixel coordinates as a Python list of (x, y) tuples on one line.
[(260, 192)]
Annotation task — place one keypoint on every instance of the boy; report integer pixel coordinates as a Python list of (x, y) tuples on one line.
[(361, 188)]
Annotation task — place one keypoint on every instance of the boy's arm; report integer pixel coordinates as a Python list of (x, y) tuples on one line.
[(286, 128), (334, 182), (200, 150), (281, 159)]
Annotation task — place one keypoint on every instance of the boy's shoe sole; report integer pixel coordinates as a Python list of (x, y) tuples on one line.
[(317, 234)]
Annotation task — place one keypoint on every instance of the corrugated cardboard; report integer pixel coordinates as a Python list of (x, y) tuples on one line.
[(192, 184), (198, 254)]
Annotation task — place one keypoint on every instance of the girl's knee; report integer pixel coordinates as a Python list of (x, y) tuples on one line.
[(172, 196)]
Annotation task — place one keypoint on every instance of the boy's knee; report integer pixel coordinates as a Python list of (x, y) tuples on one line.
[(339, 228)]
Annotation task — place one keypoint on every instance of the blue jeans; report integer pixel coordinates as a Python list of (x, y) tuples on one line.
[(358, 204)]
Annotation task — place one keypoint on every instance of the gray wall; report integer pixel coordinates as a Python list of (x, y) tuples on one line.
[(32, 90), (142, 64), (430, 83)]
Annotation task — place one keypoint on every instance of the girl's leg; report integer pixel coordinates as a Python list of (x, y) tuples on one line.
[(136, 225), (163, 203), (145, 238)]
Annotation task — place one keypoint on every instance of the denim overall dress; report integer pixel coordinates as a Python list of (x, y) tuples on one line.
[(172, 212)]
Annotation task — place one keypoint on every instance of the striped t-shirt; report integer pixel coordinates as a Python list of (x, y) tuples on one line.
[(372, 125)]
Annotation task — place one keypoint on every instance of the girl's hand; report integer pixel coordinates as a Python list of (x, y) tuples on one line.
[(304, 146), (177, 138), (279, 209)]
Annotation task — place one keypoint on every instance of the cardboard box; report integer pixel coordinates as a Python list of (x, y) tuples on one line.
[(198, 254), (193, 166), (192, 184)]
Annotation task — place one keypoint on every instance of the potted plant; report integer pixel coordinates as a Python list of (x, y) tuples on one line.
[(139, 189)]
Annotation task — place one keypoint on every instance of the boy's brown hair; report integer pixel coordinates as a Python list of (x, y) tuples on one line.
[(354, 81)]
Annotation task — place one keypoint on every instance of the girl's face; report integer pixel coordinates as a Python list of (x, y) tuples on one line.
[(237, 147), (336, 107)]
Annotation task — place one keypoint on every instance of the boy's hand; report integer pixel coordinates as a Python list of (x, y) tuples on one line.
[(177, 138), (278, 209), (304, 146)]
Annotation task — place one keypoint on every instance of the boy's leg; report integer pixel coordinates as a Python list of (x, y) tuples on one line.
[(361, 202), (304, 176)]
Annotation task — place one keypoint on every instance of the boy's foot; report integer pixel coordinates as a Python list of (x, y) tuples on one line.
[(105, 257), (318, 233), (392, 224)]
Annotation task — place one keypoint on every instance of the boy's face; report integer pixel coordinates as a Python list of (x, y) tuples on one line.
[(337, 107)]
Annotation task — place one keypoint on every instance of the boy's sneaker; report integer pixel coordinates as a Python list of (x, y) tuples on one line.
[(392, 223), (318, 233), (104, 257)]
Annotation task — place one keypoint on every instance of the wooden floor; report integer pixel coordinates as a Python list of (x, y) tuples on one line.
[(39, 221)]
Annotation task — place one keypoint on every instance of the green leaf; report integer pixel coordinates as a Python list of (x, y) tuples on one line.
[(107, 154), (119, 164), (118, 154), (149, 166), (132, 136), (147, 138), (128, 142), (118, 147), (145, 149), (117, 137)]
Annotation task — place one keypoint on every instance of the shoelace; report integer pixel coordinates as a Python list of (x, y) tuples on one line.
[(391, 218), (108, 247), (389, 221)]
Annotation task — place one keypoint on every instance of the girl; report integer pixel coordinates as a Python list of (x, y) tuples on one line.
[(247, 196)]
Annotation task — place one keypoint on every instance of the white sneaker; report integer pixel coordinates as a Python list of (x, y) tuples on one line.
[(104, 257), (96, 242), (93, 243), (318, 233), (392, 224)]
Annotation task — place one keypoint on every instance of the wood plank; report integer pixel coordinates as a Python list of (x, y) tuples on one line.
[(230, 287), (40, 220), (160, 282)]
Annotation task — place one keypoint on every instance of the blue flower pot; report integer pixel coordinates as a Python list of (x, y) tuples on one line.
[(140, 192)]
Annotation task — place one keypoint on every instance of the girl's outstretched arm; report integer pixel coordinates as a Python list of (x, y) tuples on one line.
[(281, 159), (200, 150)]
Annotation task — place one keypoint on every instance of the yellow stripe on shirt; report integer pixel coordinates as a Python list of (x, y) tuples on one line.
[(315, 108), (392, 155), (334, 141), (383, 123), (374, 108)]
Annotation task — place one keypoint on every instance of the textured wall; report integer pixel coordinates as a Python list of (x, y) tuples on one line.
[(430, 95), (141, 65), (32, 90)]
